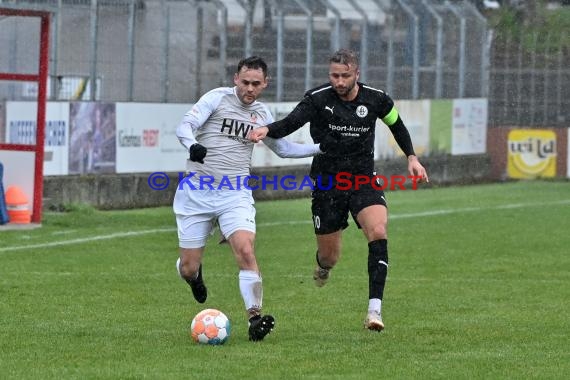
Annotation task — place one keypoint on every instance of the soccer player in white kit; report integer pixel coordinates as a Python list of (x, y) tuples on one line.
[(214, 132)]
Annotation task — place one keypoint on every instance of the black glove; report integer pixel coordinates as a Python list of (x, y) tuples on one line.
[(330, 141), (198, 152)]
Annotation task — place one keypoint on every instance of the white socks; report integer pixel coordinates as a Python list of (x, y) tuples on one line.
[(375, 304), (251, 289)]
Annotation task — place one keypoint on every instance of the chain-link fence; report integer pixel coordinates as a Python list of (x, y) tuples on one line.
[(529, 80), (173, 51)]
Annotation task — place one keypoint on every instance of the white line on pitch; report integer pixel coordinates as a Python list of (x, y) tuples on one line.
[(87, 239), (280, 223)]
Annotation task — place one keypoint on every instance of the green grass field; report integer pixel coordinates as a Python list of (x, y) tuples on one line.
[(478, 288)]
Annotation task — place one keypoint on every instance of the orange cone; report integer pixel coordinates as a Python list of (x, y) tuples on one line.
[(17, 206)]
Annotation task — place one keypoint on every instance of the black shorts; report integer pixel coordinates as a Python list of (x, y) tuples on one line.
[(330, 207)]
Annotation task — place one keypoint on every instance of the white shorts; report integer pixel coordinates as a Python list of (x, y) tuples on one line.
[(198, 210)]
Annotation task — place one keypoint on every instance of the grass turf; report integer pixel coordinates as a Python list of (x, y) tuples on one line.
[(477, 288)]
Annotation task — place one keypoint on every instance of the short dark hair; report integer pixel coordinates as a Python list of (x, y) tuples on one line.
[(344, 57), (253, 62)]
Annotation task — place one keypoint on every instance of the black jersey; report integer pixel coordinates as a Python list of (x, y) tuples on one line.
[(353, 122)]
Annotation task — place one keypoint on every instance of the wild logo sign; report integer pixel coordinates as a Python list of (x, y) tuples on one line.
[(531, 154)]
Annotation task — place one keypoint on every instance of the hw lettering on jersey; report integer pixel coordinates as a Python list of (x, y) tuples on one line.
[(236, 127)]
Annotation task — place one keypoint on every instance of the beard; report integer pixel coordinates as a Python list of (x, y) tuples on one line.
[(246, 98), (344, 90)]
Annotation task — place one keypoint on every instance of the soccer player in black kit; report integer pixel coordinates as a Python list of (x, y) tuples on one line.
[(342, 115)]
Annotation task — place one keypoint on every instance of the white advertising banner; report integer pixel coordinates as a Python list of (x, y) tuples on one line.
[(94, 137), (21, 129), (264, 157), (469, 126), (416, 117), (146, 137)]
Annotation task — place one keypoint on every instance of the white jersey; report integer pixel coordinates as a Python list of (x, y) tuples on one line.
[(220, 122)]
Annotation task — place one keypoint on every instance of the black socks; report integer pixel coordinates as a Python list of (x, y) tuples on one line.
[(377, 267)]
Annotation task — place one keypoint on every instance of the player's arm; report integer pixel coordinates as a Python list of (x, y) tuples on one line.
[(284, 148), (287, 149), (192, 121), (301, 115), (402, 137), (399, 131)]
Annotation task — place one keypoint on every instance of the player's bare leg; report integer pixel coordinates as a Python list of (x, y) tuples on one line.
[(189, 266), (250, 283), (328, 253), (374, 220)]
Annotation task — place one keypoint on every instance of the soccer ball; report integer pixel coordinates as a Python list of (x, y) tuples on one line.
[(210, 326)]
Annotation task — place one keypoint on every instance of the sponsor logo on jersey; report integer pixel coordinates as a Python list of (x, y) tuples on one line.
[(349, 130), (236, 128), (327, 108)]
